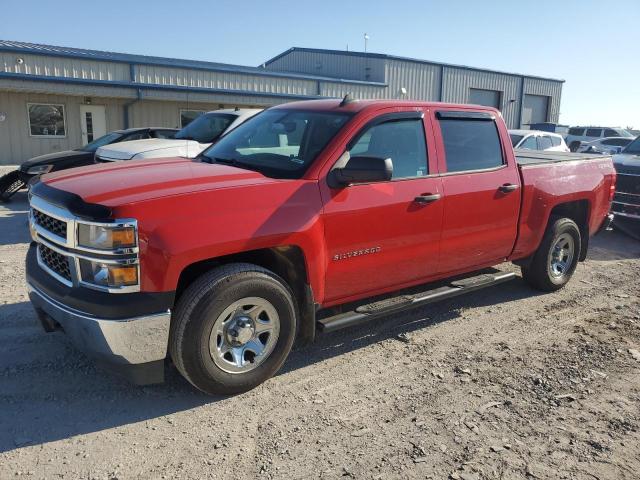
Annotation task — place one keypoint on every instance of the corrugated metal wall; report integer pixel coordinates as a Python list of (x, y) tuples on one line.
[(63, 67), (330, 65), (158, 75), (422, 81), (18, 146), (458, 81)]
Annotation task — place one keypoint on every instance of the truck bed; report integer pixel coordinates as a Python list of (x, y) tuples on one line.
[(534, 157)]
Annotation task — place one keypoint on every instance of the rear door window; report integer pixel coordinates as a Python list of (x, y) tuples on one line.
[(544, 142), (576, 131), (594, 132), (470, 144), (556, 141), (530, 143)]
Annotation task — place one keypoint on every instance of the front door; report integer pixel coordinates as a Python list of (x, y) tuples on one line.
[(93, 122), (385, 234)]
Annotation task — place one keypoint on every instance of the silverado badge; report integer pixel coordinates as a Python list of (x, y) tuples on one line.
[(356, 253)]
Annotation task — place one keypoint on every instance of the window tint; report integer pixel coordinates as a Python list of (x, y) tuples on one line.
[(104, 140), (136, 136), (576, 131), (46, 120), (594, 132), (617, 142), (471, 144), (544, 142), (515, 139), (164, 133), (188, 116), (530, 143), (402, 141), (206, 128), (556, 141), (610, 133)]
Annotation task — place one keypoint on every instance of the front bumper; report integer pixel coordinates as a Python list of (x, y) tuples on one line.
[(127, 341)]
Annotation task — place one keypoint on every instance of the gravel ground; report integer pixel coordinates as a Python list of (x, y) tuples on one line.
[(503, 383)]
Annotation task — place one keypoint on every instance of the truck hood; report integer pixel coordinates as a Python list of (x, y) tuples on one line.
[(52, 158), (153, 146), (120, 183), (627, 163)]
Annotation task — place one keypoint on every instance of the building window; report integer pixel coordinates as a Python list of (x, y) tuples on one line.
[(46, 120), (188, 116)]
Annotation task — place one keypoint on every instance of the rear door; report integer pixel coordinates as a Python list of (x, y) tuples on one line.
[(481, 187), (382, 235)]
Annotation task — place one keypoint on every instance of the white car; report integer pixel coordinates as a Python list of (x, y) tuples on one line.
[(188, 142), (588, 134), (608, 146), (537, 140)]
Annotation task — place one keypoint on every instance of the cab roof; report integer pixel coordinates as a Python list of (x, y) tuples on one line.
[(355, 106)]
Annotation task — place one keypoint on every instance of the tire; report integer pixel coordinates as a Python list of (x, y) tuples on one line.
[(574, 146), (221, 299), (9, 185), (560, 246)]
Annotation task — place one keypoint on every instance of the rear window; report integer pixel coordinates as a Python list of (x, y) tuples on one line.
[(555, 141), (471, 144), (576, 131), (515, 139), (608, 132), (594, 132)]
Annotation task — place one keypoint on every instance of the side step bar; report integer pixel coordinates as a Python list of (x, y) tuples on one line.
[(401, 303)]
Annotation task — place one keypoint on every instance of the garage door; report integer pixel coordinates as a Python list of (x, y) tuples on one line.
[(535, 109), (490, 98)]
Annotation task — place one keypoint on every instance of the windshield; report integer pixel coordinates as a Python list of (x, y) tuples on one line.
[(515, 139), (206, 128), (104, 140), (633, 147), (279, 143)]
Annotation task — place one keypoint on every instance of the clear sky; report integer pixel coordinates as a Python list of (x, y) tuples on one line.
[(592, 44)]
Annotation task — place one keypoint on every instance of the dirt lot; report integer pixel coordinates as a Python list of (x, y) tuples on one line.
[(504, 383)]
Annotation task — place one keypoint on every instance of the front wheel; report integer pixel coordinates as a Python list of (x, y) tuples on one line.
[(557, 256), (233, 328)]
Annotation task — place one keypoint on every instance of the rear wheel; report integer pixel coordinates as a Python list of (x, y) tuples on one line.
[(233, 328), (557, 256), (573, 146), (10, 184)]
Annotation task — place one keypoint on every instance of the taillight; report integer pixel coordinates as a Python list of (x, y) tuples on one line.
[(612, 186)]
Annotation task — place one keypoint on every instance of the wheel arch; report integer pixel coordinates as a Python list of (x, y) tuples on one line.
[(578, 211), (288, 262)]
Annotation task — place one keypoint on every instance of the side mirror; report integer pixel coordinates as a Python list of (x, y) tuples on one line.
[(361, 170)]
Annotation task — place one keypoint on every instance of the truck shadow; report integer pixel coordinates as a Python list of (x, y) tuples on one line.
[(613, 245), (13, 220), (50, 391)]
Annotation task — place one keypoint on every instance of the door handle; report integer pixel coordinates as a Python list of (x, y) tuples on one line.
[(508, 187), (427, 198)]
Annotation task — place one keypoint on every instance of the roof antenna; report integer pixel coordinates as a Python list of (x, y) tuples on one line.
[(347, 100)]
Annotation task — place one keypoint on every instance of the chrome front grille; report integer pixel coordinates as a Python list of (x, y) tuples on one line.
[(53, 225), (54, 261)]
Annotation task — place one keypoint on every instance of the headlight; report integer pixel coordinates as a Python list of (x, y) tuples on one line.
[(108, 275), (106, 237), (40, 169)]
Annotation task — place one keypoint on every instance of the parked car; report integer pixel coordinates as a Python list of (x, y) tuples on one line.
[(588, 134), (550, 127), (188, 142), (607, 146), (14, 181), (291, 223), (537, 140), (626, 202)]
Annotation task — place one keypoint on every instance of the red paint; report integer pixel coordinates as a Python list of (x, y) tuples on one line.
[(189, 211)]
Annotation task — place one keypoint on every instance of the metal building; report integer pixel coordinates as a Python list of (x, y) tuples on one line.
[(58, 98)]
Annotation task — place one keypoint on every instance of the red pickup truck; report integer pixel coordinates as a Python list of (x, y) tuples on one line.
[(306, 218)]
